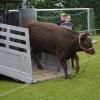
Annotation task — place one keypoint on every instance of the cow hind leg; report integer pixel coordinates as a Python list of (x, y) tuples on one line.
[(38, 56)]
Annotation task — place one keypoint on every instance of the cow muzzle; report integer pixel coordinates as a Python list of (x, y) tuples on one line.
[(90, 51)]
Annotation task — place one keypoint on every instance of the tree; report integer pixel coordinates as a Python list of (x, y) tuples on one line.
[(44, 3), (70, 4)]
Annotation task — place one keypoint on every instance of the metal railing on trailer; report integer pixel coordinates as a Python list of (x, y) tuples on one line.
[(15, 59)]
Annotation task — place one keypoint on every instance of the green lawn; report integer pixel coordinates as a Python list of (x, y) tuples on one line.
[(82, 87)]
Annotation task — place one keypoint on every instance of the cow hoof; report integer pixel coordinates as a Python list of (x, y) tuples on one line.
[(40, 67), (77, 70), (68, 77)]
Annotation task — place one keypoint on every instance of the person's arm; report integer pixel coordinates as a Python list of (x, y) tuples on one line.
[(58, 23)]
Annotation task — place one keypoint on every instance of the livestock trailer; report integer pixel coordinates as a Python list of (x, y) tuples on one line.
[(15, 56)]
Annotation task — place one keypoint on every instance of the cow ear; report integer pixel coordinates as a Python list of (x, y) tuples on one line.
[(88, 34), (83, 35)]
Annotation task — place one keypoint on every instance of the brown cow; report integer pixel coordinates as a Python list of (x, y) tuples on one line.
[(59, 41)]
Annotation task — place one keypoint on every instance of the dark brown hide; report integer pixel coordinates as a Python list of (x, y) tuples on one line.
[(56, 40)]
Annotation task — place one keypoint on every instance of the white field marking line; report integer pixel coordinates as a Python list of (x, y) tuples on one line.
[(14, 90), (21, 87)]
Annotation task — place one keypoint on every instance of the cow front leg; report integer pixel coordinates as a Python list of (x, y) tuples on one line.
[(62, 59), (64, 66), (77, 63)]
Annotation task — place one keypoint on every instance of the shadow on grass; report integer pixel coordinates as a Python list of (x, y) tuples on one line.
[(8, 79)]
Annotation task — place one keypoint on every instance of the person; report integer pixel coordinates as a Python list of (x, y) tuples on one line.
[(66, 22), (62, 18)]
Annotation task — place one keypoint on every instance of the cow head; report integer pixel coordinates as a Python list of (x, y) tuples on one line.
[(85, 43)]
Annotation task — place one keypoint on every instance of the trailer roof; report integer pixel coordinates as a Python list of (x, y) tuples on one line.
[(11, 1)]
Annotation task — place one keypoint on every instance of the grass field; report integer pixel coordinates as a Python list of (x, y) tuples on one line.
[(82, 87)]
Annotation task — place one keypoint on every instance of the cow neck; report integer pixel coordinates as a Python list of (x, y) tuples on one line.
[(81, 47)]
